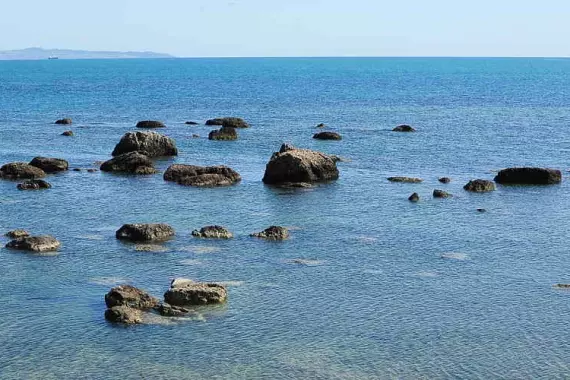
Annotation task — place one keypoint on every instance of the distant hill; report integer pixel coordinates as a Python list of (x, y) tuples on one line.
[(39, 53)]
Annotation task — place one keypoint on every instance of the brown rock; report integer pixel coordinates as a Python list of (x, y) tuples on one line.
[(145, 232), (273, 233), (20, 170), (130, 296), (201, 176), (44, 243)]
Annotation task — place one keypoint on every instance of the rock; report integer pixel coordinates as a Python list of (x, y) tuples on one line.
[(130, 296), (123, 314), (50, 165), (444, 180), (195, 136), (34, 184), (191, 123), (213, 232), (403, 128), (43, 243), (150, 144), (529, 176), (91, 170), (224, 133), (150, 124), (441, 194), (195, 293), (415, 197), (167, 310), (145, 232), (201, 176), (405, 179), (234, 122), (76, 169), (20, 170), (479, 186), (292, 165), (272, 233), (65, 121), (327, 136), (67, 133), (132, 162), (321, 125), (481, 210), (562, 286), (16, 234)]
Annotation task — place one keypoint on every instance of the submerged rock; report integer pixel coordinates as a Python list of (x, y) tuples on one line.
[(529, 176), (479, 186), (150, 124), (50, 165), (123, 314), (145, 232), (415, 197), (327, 136), (444, 180), (273, 233), (150, 144), (67, 133), (16, 234), (132, 162), (167, 310), (405, 179), (201, 176), (441, 194), (224, 133), (130, 296), (403, 128), (20, 170), (233, 122), (34, 184), (213, 232), (65, 121), (187, 292), (43, 243)]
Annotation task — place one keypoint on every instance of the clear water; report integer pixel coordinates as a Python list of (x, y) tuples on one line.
[(377, 301)]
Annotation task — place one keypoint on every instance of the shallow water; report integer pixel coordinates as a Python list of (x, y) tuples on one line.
[(430, 290)]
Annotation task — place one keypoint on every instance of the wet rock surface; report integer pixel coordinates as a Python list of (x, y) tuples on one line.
[(20, 170), (182, 293), (273, 233), (50, 165), (34, 184), (201, 176), (212, 232), (132, 163), (150, 144), (44, 243), (145, 232), (479, 186), (529, 176)]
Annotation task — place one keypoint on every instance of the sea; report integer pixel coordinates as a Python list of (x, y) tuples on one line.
[(369, 285)]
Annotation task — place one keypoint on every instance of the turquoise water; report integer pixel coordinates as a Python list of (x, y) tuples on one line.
[(432, 290)]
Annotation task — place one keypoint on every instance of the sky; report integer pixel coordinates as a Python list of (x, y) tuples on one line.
[(253, 28)]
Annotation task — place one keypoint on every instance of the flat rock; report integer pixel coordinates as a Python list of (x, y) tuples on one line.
[(327, 136), (20, 170), (34, 184), (43, 243), (150, 124), (405, 179), (145, 232), (403, 128), (273, 233), (201, 176), (132, 162), (234, 122), (479, 186), (150, 144), (224, 133), (50, 165), (213, 232), (195, 293), (65, 121), (130, 296), (123, 314), (16, 234), (528, 176)]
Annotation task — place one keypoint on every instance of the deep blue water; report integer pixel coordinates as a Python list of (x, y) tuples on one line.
[(379, 301)]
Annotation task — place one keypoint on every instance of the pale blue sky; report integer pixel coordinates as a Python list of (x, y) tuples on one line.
[(292, 27)]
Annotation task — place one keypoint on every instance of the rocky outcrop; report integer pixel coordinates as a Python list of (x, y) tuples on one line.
[(224, 133), (67, 133), (479, 186), (50, 165), (415, 197), (43, 243), (273, 233), (150, 144), (327, 136), (528, 176), (65, 121), (34, 184), (201, 176), (188, 292), (444, 180), (441, 194), (16, 234), (233, 122), (292, 165), (123, 314), (405, 179), (403, 128), (213, 232), (132, 162), (130, 296), (150, 124), (145, 232), (20, 170)]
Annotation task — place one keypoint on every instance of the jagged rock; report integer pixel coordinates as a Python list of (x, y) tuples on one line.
[(145, 232), (403, 128), (130, 296), (441, 194), (444, 180), (150, 124), (16, 234), (213, 232), (292, 165), (150, 144), (479, 186), (43, 243), (273, 233), (50, 165), (234, 122), (123, 314), (224, 133), (415, 197), (191, 123), (65, 121), (327, 136), (195, 293), (405, 179), (529, 176), (34, 184), (67, 133), (167, 310), (132, 162), (201, 176), (20, 170)]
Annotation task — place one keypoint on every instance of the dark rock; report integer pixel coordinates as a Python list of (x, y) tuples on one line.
[(76, 169), (403, 128), (213, 232), (91, 170), (65, 121), (150, 124), (187, 292), (405, 179), (132, 162), (167, 310), (50, 165), (441, 194), (67, 133), (123, 314), (145, 232), (321, 125), (44, 243), (195, 136), (529, 176), (444, 180), (291, 165), (20, 170), (479, 186), (233, 122), (327, 136), (224, 133), (191, 123), (201, 176), (150, 144), (34, 184), (130, 296), (562, 286), (481, 210), (273, 233), (16, 234), (415, 197)]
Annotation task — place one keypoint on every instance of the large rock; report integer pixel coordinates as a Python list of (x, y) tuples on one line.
[(273, 233), (201, 176), (145, 232), (529, 176), (213, 232), (34, 184), (479, 186), (224, 133), (150, 124), (403, 128), (327, 136), (132, 162), (130, 296), (150, 144), (233, 122), (405, 179), (20, 170), (65, 121), (16, 234), (187, 292), (50, 165), (292, 165), (44, 243), (123, 314)]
